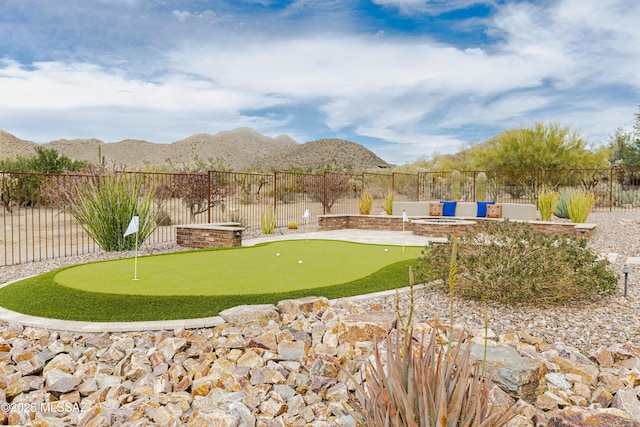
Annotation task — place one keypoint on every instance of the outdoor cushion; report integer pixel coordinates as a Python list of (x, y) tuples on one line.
[(494, 211), (482, 208), (448, 208), (435, 209)]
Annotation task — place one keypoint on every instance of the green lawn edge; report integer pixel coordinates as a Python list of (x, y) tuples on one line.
[(41, 296)]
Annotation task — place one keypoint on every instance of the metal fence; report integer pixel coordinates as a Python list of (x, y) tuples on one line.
[(37, 224)]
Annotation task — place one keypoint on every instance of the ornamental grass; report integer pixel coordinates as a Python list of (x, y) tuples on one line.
[(105, 205), (580, 205), (547, 201)]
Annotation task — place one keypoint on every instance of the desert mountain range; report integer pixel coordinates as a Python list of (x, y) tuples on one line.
[(240, 149)]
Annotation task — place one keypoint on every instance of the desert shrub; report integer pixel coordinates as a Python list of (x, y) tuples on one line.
[(105, 205), (547, 201), (364, 203), (389, 198), (580, 205), (510, 262), (621, 197), (293, 225), (562, 207), (425, 385), (268, 221), (327, 189)]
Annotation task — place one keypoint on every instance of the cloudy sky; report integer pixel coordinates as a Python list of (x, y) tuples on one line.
[(405, 78)]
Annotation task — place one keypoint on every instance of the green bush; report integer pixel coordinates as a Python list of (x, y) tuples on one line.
[(580, 205), (425, 385), (105, 205), (547, 201), (510, 262), (562, 207)]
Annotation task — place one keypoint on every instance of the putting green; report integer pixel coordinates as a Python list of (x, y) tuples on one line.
[(268, 268)]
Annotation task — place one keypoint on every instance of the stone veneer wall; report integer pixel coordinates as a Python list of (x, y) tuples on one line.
[(394, 223), (209, 235), (362, 222)]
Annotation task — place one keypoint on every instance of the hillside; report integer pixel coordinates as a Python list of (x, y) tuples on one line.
[(11, 146), (240, 149), (337, 153)]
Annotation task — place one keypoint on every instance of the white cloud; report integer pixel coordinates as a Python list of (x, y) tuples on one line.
[(432, 7), (575, 61)]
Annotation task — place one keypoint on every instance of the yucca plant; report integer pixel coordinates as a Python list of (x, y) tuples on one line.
[(547, 201), (389, 198), (419, 384), (268, 221), (580, 205), (364, 203), (105, 205)]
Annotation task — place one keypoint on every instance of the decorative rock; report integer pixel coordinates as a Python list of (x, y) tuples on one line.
[(550, 402), (588, 373), (291, 350), (559, 380), (250, 315), (604, 357), (627, 400), (367, 326), (169, 346), (575, 417), (520, 377), (306, 306)]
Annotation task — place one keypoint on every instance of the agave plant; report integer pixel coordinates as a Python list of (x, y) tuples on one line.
[(420, 384)]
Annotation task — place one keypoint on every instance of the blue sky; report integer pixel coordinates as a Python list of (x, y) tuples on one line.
[(405, 78)]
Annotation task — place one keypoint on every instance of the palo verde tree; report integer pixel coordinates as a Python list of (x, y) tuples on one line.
[(539, 146)]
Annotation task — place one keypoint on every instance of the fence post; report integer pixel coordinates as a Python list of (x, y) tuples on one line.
[(324, 193), (275, 195), (393, 182), (209, 196), (610, 189)]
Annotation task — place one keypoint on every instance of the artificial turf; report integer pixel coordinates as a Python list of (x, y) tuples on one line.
[(381, 270)]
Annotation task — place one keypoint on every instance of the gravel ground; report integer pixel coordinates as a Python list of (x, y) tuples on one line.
[(585, 325)]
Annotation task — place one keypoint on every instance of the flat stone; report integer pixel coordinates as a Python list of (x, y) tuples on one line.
[(627, 400), (521, 377), (250, 315), (367, 326), (292, 350), (306, 306)]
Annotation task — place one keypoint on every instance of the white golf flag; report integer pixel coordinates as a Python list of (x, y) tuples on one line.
[(405, 217), (306, 214), (133, 226)]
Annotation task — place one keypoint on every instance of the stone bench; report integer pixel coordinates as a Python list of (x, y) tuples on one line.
[(515, 211)]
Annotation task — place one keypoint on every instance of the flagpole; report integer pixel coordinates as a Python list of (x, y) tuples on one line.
[(135, 261), (305, 217), (134, 228), (405, 218)]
